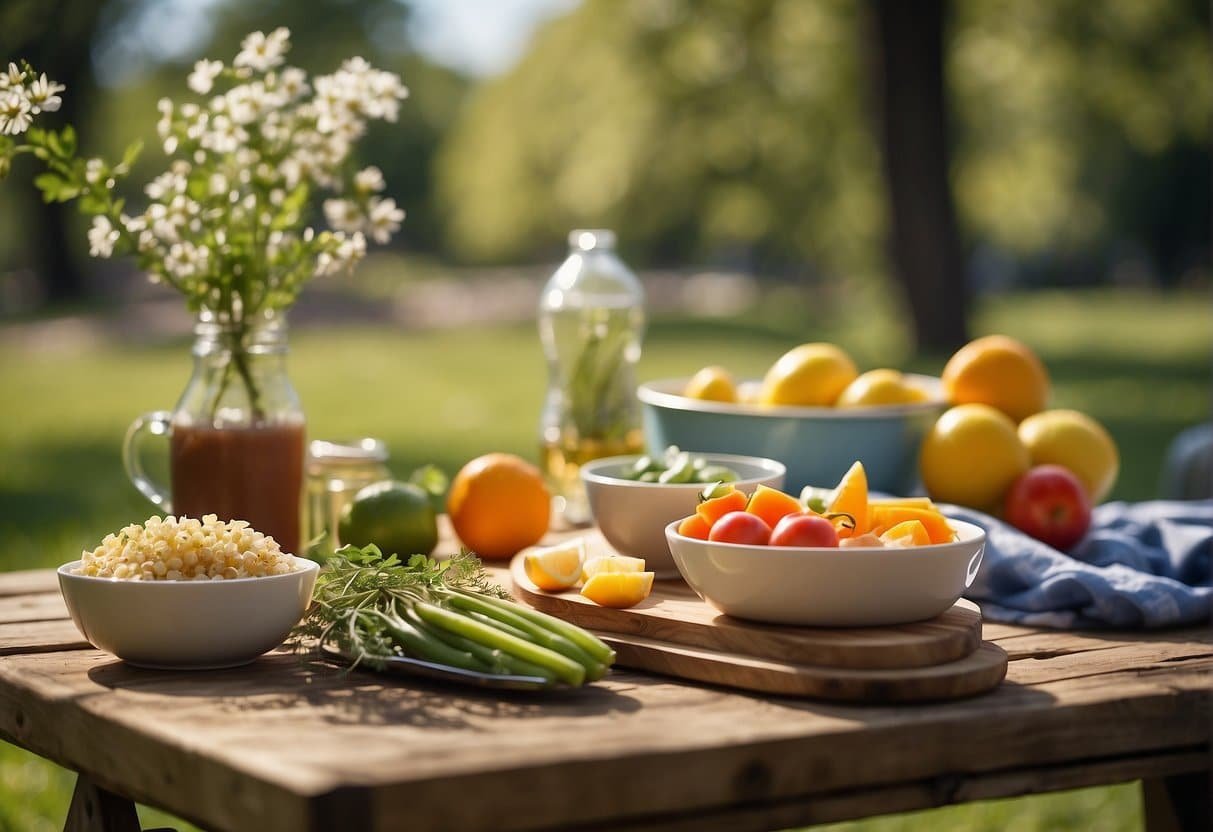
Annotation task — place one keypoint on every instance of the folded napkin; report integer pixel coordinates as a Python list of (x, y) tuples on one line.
[(1140, 565)]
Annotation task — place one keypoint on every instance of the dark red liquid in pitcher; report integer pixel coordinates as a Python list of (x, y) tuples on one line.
[(253, 474)]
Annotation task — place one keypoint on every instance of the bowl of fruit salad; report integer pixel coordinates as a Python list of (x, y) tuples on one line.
[(858, 562), (633, 498), (813, 410)]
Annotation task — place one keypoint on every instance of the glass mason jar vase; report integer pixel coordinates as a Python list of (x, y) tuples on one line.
[(236, 436)]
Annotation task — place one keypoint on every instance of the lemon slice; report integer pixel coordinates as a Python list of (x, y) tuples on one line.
[(611, 563), (556, 567), (618, 589)]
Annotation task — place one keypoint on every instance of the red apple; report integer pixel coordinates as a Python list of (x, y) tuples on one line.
[(741, 527), (1049, 503), (804, 528)]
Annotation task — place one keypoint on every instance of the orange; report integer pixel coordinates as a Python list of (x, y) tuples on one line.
[(717, 507), (998, 371), (611, 563), (499, 505), (971, 456), (694, 526), (901, 502), (937, 527), (810, 375), (772, 505), (618, 589), (907, 533), (1074, 441), (851, 497)]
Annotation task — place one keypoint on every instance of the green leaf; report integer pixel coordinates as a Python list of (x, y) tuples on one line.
[(131, 155), (67, 139), (432, 479)]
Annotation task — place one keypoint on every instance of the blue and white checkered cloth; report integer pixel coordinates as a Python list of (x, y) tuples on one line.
[(1140, 565)]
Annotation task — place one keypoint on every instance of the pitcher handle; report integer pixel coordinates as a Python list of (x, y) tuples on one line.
[(158, 423)]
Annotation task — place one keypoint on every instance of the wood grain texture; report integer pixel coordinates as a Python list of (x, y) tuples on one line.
[(976, 673), (40, 637), (673, 613), (283, 745), (28, 582), (47, 606)]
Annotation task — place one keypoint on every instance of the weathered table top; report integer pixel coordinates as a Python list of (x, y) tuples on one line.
[(280, 745)]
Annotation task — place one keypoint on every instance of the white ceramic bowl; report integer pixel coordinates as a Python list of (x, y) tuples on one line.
[(633, 515), (820, 587), (188, 625)]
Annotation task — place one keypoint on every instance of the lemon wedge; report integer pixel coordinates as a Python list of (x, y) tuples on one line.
[(618, 589), (611, 563), (556, 567)]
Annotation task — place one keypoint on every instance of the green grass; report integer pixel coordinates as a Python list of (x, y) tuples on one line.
[(1139, 362)]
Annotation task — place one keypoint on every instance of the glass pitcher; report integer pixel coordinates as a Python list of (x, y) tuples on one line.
[(236, 436)]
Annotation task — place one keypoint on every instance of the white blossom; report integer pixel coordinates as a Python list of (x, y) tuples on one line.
[(261, 52), (202, 79), (44, 95), (383, 219), (343, 215), (14, 112), (93, 170), (12, 77), (369, 180), (101, 237)]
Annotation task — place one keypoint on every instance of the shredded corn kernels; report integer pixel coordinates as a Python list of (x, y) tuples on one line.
[(186, 549)]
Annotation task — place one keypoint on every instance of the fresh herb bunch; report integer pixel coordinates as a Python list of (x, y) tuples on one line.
[(372, 607)]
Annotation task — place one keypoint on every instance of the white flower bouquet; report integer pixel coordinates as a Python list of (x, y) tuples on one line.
[(227, 224)]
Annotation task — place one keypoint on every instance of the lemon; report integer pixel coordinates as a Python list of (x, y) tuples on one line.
[(1074, 441), (809, 375), (712, 384), (612, 563), (398, 517), (556, 567), (998, 371), (971, 456), (880, 387), (618, 589)]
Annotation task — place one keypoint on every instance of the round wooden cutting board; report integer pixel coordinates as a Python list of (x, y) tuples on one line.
[(673, 613), (676, 633)]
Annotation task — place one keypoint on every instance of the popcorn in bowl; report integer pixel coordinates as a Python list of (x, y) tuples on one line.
[(186, 549)]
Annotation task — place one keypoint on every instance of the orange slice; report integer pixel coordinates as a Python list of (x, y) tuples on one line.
[(772, 505), (556, 567), (611, 563), (618, 589), (694, 526), (717, 507), (907, 533), (901, 502), (938, 528), (851, 497)]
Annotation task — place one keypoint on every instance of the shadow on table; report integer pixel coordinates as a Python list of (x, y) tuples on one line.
[(283, 682)]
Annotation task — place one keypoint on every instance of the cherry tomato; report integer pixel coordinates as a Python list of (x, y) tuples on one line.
[(804, 528), (741, 527)]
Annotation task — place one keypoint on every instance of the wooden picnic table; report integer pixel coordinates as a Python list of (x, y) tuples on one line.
[(283, 745)]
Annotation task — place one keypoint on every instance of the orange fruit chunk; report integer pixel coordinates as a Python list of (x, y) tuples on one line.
[(556, 567), (499, 505), (611, 563), (851, 497), (717, 507), (907, 533), (938, 529), (618, 589), (772, 505), (998, 371), (901, 502), (694, 526)]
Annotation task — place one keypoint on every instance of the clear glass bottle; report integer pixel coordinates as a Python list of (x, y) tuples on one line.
[(236, 435), (591, 322)]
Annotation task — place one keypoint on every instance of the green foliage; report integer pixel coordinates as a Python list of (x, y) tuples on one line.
[(743, 127)]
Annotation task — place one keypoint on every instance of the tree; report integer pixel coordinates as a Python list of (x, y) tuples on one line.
[(911, 100)]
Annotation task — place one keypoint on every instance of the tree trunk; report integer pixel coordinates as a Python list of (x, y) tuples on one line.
[(924, 243)]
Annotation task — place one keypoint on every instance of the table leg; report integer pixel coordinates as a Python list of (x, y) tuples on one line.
[(1181, 803), (94, 809)]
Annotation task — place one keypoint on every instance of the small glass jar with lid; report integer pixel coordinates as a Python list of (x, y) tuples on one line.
[(336, 470)]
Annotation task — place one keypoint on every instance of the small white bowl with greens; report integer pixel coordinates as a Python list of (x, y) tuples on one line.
[(633, 498)]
